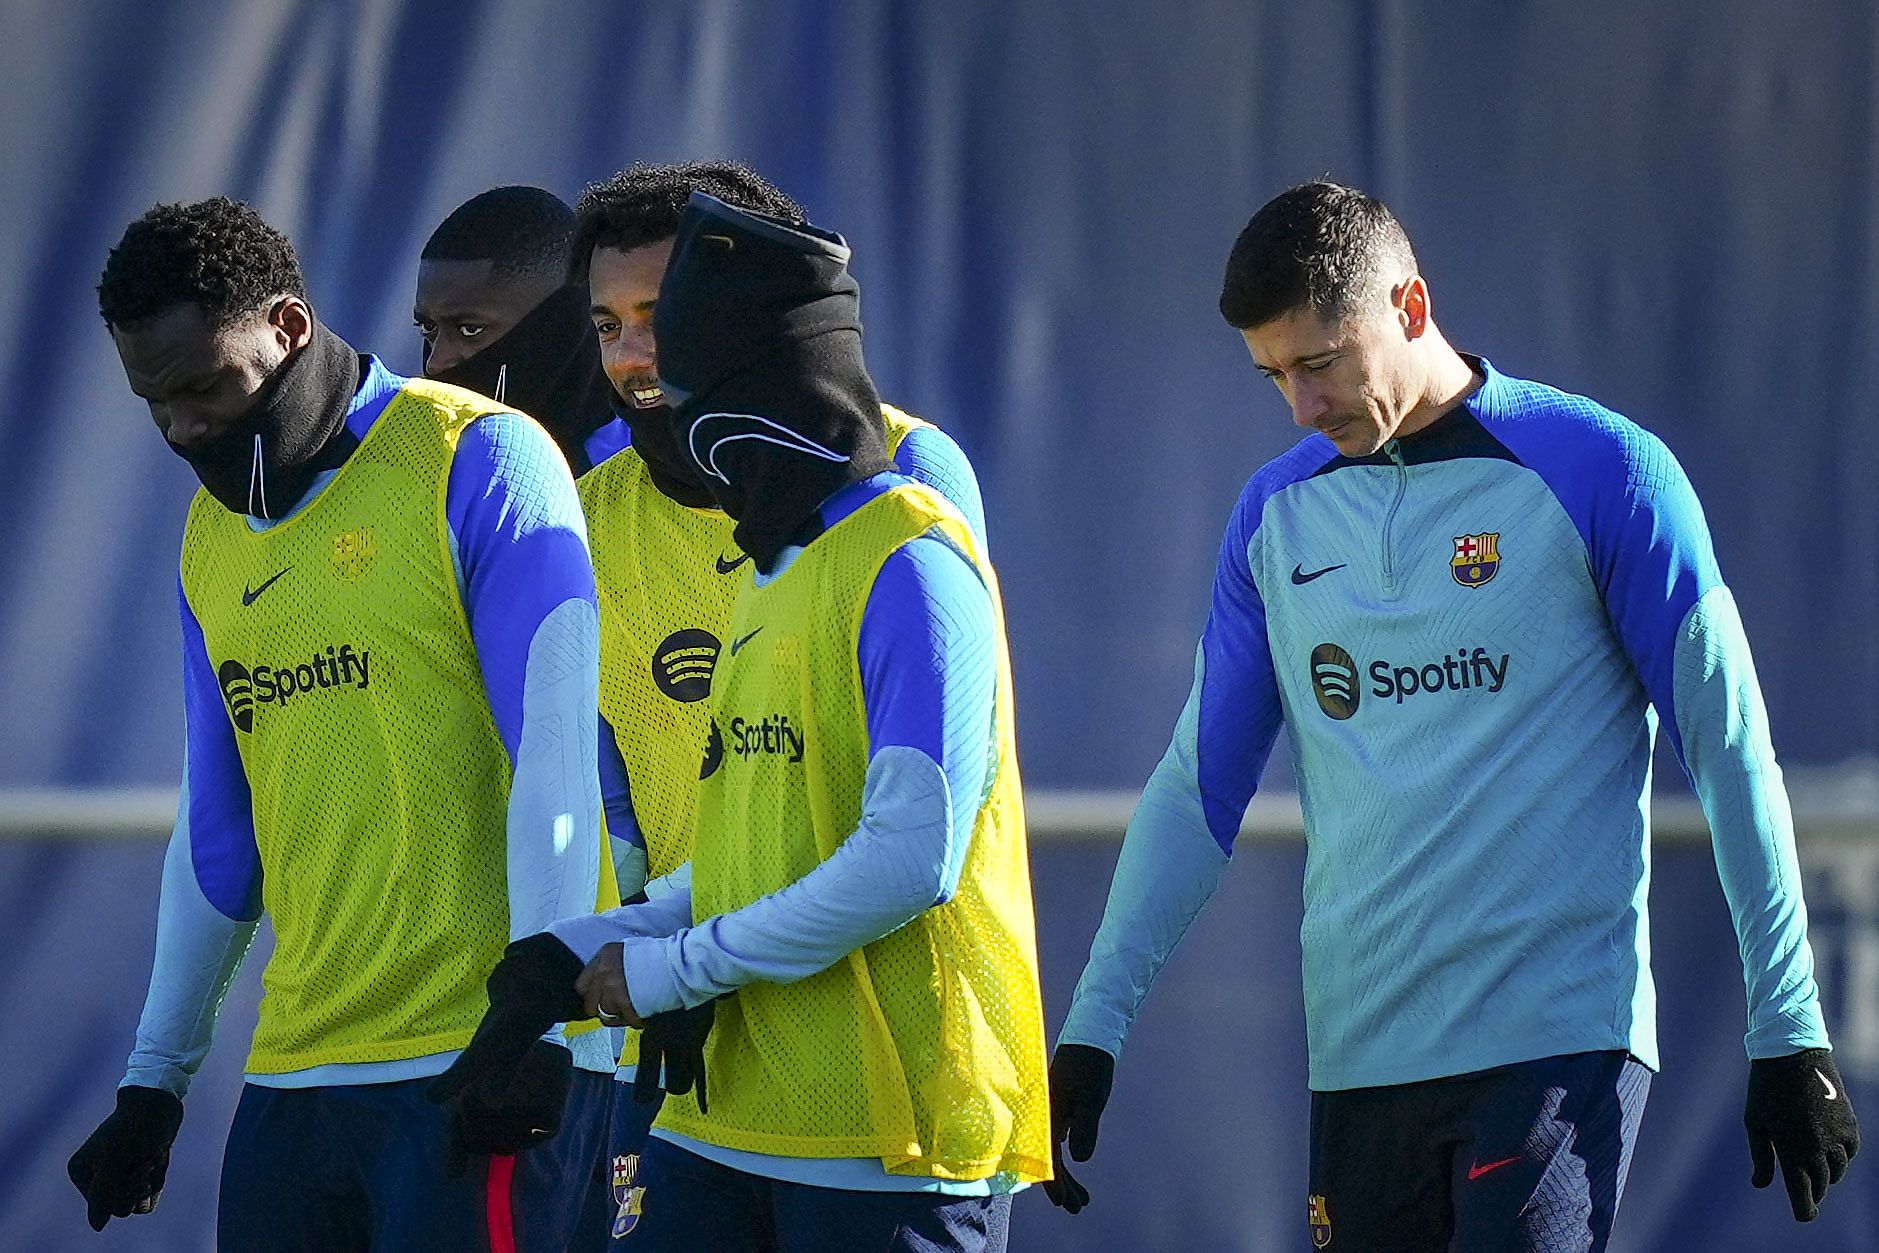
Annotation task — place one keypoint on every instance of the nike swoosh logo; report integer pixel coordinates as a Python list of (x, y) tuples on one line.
[(743, 640), (730, 245), (249, 597), (1827, 1083), (725, 567), (1299, 576), (1475, 1171)]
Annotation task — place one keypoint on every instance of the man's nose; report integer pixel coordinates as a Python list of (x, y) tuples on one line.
[(1308, 405), (444, 354)]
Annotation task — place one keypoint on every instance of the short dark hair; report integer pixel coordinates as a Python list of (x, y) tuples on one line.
[(1319, 245), (642, 205), (216, 254), (518, 230)]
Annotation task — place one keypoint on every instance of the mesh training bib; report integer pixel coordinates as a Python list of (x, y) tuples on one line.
[(926, 1048), (380, 784)]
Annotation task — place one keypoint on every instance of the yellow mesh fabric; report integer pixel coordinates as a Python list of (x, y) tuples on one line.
[(380, 784), (666, 576), (925, 1048)]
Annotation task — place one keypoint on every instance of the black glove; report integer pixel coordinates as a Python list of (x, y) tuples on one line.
[(1080, 1079), (512, 1111), (674, 1040), (121, 1166), (530, 990), (1798, 1112)]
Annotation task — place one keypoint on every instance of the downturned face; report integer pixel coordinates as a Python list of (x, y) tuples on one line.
[(1345, 378), (200, 380)]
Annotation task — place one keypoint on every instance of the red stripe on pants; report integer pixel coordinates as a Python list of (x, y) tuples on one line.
[(499, 1203)]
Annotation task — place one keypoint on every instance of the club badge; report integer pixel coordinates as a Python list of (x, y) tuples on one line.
[(1477, 558)]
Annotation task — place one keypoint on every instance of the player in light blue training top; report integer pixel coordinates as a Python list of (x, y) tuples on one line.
[(1470, 600)]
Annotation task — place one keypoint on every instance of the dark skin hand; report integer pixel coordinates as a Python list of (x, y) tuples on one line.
[(603, 991)]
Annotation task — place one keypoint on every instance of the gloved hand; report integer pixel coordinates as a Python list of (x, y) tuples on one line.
[(512, 1111), (676, 1041), (1080, 1079), (530, 990), (121, 1166), (1798, 1112)]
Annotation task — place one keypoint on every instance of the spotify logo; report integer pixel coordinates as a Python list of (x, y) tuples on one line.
[(1334, 681), (683, 662)]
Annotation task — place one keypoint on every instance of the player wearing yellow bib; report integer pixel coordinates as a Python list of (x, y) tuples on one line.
[(860, 910), (390, 668), (667, 567)]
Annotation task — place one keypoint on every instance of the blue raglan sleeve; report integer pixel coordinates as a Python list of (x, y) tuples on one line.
[(931, 456), (520, 542), (1655, 567), (928, 659), (624, 837), (210, 901), (1190, 812)]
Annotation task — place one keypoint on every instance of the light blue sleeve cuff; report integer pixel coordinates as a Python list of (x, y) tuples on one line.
[(680, 880), (1169, 868), (1731, 759), (587, 934)]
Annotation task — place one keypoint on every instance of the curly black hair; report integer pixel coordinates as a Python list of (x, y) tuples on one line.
[(519, 230), (217, 254), (1319, 246), (642, 204)]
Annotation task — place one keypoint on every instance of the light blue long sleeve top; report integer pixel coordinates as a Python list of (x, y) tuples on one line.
[(1470, 638), (519, 543), (928, 658)]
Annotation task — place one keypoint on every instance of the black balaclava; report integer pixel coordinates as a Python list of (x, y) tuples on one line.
[(548, 366), (268, 458), (759, 332)]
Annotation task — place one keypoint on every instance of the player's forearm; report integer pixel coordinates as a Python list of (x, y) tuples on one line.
[(198, 951), (554, 796), (1169, 868), (1726, 746), (587, 934), (895, 866)]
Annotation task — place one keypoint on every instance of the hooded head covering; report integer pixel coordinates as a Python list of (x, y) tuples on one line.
[(759, 332)]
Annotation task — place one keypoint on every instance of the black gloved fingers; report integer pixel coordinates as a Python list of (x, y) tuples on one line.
[(1063, 1189), (646, 1087), (704, 1106), (500, 1042), (1761, 1159), (1085, 1117)]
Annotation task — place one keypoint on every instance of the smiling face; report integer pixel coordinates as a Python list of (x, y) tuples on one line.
[(622, 288), (199, 380), (1352, 378), (463, 306)]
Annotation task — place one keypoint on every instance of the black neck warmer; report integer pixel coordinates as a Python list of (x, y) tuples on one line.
[(547, 366), (759, 333), (656, 441), (267, 459)]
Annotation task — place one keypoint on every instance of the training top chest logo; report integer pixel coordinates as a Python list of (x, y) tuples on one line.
[(1477, 558)]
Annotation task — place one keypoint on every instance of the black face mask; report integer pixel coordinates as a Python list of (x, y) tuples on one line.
[(267, 459), (656, 442), (547, 366), (759, 333)]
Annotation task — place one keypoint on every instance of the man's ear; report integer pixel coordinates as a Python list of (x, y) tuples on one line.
[(1411, 299), (292, 322)]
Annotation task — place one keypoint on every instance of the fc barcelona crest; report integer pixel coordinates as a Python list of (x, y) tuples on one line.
[(1320, 1222), (627, 1195), (1477, 558)]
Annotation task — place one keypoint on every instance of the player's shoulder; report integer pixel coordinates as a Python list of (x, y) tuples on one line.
[(1575, 443), (1295, 465)]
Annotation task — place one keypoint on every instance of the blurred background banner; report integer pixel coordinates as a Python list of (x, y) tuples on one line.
[(1673, 208)]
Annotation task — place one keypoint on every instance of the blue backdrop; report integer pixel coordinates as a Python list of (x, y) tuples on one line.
[(1674, 208), (1668, 207)]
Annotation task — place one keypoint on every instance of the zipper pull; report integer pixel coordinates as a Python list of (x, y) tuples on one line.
[(1395, 450)]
